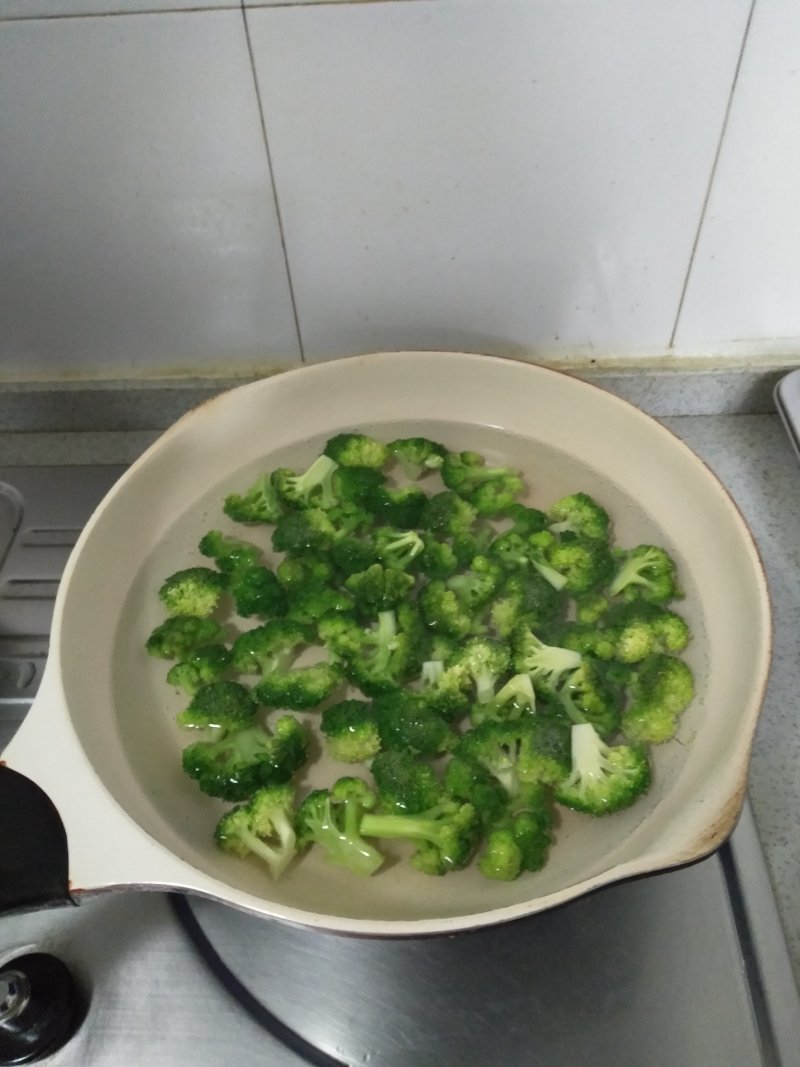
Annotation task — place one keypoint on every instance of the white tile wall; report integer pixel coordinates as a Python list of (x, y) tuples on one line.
[(745, 283), (519, 176), (137, 224), (524, 176)]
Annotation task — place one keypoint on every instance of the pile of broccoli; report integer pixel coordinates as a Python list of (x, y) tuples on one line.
[(474, 664)]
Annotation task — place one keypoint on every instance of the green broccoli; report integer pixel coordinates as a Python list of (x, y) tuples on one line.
[(257, 591), (546, 664), (590, 608), (356, 450), (405, 721), (645, 572), (446, 514), (443, 611), (490, 490), (485, 661), (306, 569), (470, 782), (249, 759), (521, 840), (308, 603), (476, 585), (353, 554), (584, 563), (586, 696), (537, 551), (580, 514), (382, 656), (355, 486), (444, 689), (437, 560), (258, 504), (641, 628), (405, 784), (194, 591), (263, 827), (513, 699), (209, 663), (397, 548), (307, 531), (274, 645), (604, 778), (524, 751), (331, 818), (525, 597), (225, 705), (397, 505), (350, 731), (313, 488), (298, 688), (416, 455), (446, 835), (379, 588), (229, 553), (180, 635), (661, 689)]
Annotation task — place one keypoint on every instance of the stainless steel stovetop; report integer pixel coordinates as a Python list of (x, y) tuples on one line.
[(683, 969)]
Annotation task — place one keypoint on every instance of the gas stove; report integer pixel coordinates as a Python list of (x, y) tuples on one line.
[(681, 969)]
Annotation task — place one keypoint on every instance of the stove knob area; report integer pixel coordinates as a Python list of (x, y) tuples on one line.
[(40, 1008)]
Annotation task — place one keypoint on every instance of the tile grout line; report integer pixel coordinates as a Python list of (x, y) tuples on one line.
[(252, 5), (273, 183), (712, 176)]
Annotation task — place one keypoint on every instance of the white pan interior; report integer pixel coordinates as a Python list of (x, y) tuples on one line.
[(565, 436)]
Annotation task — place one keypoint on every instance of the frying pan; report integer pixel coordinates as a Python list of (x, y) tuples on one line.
[(100, 746)]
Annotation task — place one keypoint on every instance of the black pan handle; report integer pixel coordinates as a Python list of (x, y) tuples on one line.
[(34, 861)]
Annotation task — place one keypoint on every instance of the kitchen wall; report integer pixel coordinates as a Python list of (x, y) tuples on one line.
[(191, 188)]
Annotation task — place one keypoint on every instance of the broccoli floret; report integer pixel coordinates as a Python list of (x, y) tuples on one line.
[(273, 646), (446, 835), (525, 597), (475, 586), (397, 548), (180, 635), (313, 488), (446, 514), (468, 781), (591, 608), (519, 752), (604, 778), (258, 504), (490, 490), (585, 696), (417, 455), (521, 840), (443, 611), (305, 531), (350, 731), (263, 827), (379, 588), (257, 591), (515, 698), (342, 635), (546, 664), (660, 691), (405, 722), (298, 688), (352, 554), (307, 569), (641, 628), (229, 553), (405, 783), (331, 818), (587, 639), (437, 560), (207, 664), (354, 485), (585, 564), (397, 505), (308, 603), (484, 660), (248, 759), (194, 591), (356, 450), (383, 656), (646, 572), (580, 514), (225, 705), (538, 549), (445, 689)]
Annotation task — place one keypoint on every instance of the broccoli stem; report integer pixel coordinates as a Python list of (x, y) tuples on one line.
[(558, 581), (276, 859)]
